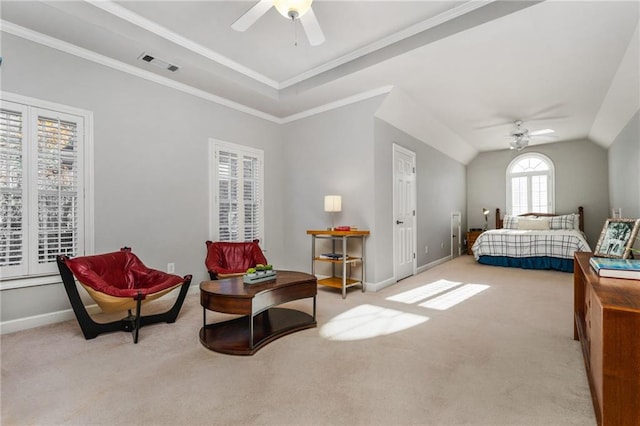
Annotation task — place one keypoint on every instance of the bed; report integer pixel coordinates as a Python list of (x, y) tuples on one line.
[(533, 241)]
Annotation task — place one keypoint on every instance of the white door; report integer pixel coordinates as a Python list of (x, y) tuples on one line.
[(456, 231), (404, 212)]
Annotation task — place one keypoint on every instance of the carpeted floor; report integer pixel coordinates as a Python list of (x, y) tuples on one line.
[(460, 344)]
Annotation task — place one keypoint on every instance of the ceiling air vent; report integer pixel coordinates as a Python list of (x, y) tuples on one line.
[(158, 62)]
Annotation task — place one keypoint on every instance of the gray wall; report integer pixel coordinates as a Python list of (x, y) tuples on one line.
[(349, 153), (440, 187), (151, 171), (151, 163), (329, 153), (624, 170), (581, 179)]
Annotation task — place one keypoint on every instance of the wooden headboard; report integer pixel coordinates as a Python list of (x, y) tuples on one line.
[(580, 216)]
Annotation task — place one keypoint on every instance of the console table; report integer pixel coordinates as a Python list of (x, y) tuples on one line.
[(345, 259), (262, 322), (607, 323)]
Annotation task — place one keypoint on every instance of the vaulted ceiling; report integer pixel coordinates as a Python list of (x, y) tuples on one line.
[(474, 66)]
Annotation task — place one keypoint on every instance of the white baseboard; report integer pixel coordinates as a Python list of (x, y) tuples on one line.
[(59, 316), (434, 263), (67, 314), (43, 319), (373, 287)]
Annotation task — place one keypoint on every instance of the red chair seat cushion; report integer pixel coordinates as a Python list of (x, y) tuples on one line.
[(233, 257), (120, 274)]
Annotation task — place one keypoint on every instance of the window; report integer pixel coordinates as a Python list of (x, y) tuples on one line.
[(530, 184), (42, 181), (237, 212)]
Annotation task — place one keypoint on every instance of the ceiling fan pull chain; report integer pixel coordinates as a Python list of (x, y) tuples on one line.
[(295, 31)]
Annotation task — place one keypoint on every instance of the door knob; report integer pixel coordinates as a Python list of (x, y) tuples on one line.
[(398, 222)]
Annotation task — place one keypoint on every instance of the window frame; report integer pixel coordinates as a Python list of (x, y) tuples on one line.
[(215, 146), (550, 174), (34, 108)]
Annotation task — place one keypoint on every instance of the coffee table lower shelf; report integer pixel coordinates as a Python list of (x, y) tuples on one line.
[(234, 336)]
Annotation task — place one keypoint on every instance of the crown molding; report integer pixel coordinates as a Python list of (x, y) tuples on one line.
[(338, 104), (63, 46), (142, 22), (89, 55), (135, 19)]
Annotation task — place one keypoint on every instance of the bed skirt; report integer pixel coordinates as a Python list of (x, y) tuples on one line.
[(541, 262)]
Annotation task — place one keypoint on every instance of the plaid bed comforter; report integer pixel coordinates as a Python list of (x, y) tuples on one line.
[(517, 243)]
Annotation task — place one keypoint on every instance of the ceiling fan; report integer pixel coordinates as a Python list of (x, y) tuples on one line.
[(291, 9), (520, 136)]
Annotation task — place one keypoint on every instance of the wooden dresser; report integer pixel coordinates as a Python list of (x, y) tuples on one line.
[(607, 323)]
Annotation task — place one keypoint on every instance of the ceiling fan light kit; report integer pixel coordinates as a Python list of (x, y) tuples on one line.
[(293, 9), (520, 136)]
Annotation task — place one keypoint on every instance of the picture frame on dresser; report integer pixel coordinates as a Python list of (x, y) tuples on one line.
[(617, 238)]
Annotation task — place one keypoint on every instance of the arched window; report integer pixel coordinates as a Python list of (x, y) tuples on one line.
[(530, 184)]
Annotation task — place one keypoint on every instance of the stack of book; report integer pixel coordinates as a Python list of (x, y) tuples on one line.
[(616, 268), (332, 256)]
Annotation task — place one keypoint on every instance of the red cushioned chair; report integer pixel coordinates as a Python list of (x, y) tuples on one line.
[(119, 281), (231, 259)]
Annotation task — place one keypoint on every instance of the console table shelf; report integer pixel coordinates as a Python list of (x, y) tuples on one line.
[(342, 282), (349, 259)]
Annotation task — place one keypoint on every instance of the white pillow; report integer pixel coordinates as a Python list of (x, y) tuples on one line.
[(541, 224)]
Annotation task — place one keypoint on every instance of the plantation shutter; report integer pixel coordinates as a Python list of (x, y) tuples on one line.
[(12, 190), (41, 189), (57, 182), (228, 177), (239, 189), (252, 201)]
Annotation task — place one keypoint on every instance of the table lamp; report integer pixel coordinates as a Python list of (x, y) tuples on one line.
[(485, 212), (332, 204)]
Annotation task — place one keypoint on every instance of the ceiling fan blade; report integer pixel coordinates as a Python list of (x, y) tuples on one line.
[(542, 132), (312, 28), (252, 15), (547, 138)]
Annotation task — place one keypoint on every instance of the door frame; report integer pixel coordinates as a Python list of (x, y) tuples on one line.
[(458, 232), (412, 154)]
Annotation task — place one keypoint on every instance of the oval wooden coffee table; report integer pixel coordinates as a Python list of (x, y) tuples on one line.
[(261, 322)]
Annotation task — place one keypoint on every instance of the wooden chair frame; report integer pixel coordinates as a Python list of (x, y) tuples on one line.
[(132, 323)]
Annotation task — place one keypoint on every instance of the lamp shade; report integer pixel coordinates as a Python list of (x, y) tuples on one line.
[(332, 203), (485, 212)]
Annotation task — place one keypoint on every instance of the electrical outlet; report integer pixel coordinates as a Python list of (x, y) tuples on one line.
[(442, 244), (426, 249), (171, 267)]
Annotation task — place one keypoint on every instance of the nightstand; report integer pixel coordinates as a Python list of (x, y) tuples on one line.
[(471, 238)]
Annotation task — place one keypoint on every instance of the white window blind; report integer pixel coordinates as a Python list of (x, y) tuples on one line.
[(238, 212), (12, 223), (42, 188), (57, 166), (530, 184)]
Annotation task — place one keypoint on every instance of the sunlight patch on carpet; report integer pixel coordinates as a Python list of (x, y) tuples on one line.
[(454, 297), (424, 292), (368, 321)]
